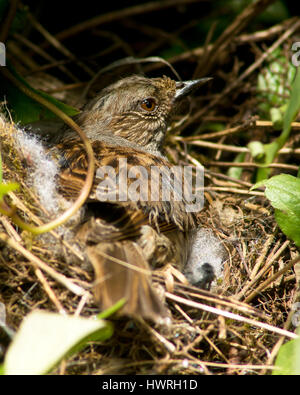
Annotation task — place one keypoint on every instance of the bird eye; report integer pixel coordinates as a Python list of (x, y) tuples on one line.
[(148, 104)]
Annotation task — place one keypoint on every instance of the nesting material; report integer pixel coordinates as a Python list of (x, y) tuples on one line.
[(206, 262), (197, 340), (42, 168)]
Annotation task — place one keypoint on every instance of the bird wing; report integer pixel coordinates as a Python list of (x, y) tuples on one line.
[(123, 213)]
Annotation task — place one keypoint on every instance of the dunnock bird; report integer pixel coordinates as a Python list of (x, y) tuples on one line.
[(124, 238)]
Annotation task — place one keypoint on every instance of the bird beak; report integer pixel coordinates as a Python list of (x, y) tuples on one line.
[(184, 88)]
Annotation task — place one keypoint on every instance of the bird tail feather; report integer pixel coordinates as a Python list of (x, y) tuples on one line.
[(122, 272)]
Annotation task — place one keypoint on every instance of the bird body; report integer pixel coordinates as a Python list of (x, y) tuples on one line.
[(125, 238)]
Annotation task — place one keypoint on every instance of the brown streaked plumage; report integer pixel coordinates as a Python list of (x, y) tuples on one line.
[(73, 172), (124, 239)]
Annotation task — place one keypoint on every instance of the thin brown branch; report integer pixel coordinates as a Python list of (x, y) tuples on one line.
[(37, 48), (120, 14), (246, 73), (240, 22), (49, 291), (60, 47), (250, 164), (234, 190), (261, 273), (227, 147), (271, 279), (8, 20), (37, 262), (230, 315)]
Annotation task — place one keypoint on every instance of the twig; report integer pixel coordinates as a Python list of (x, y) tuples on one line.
[(263, 124), (194, 292), (245, 74), (17, 202), (49, 291), (234, 190), (230, 148), (240, 22), (36, 48), (37, 262), (263, 35), (228, 302), (197, 53), (48, 66), (7, 21), (221, 133), (225, 177), (279, 343), (120, 14), (184, 314), (56, 44), (209, 144), (162, 37), (230, 315), (264, 269), (81, 304), (214, 347), (199, 362), (162, 340), (271, 279), (251, 164), (23, 56), (262, 256), (236, 129), (10, 229), (65, 88)]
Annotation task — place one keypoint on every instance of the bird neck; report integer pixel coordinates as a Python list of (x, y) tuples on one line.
[(148, 135), (151, 142)]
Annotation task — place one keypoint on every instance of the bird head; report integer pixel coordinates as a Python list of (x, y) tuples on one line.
[(136, 108)]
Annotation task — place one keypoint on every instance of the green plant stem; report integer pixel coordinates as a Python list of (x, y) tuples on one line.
[(272, 149), (0, 166), (90, 172)]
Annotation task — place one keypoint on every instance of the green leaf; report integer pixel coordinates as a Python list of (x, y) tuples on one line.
[(288, 359), (24, 109), (290, 225), (257, 150), (276, 115), (283, 191), (236, 172), (271, 150), (45, 338), (1, 171), (5, 188), (275, 13), (292, 109), (274, 86), (112, 310)]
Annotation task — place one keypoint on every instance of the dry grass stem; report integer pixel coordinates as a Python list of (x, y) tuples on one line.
[(239, 325)]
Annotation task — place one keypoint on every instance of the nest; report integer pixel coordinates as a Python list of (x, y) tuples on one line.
[(236, 328), (202, 337)]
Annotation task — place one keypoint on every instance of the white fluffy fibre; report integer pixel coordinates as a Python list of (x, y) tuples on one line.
[(42, 169), (206, 260)]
